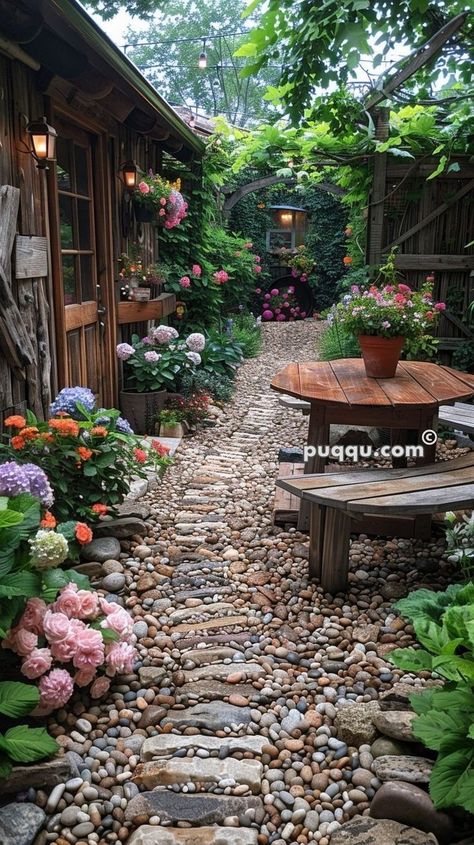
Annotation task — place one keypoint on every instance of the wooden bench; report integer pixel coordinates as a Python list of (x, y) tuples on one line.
[(459, 416), (337, 498)]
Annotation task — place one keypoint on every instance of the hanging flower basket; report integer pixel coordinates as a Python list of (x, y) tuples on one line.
[(156, 199), (142, 213)]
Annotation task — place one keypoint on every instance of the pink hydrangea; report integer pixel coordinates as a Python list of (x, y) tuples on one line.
[(164, 334), (68, 602), (33, 615), (267, 314), (152, 357), (196, 270), (185, 282), (120, 621), (257, 268), (280, 318), (36, 663), (274, 292), (89, 649), (55, 689), (120, 657), (196, 342), (221, 276), (124, 351)]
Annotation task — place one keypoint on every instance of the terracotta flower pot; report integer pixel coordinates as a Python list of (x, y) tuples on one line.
[(380, 354), (142, 409)]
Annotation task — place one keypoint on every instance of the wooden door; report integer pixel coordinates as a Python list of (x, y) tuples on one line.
[(82, 353)]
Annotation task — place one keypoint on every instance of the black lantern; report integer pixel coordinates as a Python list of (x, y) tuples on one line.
[(130, 175), (202, 61), (43, 139)]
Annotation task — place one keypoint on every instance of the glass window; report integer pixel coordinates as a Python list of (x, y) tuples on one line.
[(66, 222), (69, 279), (63, 165), (76, 222), (82, 170)]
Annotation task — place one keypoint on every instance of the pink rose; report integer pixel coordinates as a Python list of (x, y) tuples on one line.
[(25, 642), (120, 657), (64, 650), (84, 677), (56, 626), (196, 270), (143, 188), (162, 212), (68, 602), (185, 282), (100, 687), (120, 621), (107, 606), (440, 306), (55, 689), (89, 604), (257, 268), (33, 614), (37, 663), (162, 200), (89, 649)]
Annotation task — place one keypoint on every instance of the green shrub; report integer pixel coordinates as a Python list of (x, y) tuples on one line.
[(247, 332), (444, 626), (222, 354), (337, 342), (220, 387)]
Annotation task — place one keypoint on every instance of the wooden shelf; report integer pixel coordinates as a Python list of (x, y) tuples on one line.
[(142, 312)]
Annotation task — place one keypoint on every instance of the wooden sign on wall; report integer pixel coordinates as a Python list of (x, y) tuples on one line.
[(31, 257)]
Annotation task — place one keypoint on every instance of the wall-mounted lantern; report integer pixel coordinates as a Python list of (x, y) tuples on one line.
[(43, 140), (130, 175)]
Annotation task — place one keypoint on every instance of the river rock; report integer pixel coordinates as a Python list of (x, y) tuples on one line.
[(151, 835), (411, 769), (195, 770), (355, 724), (114, 582), (366, 831), (202, 809), (215, 716), (19, 823), (397, 724), (151, 675), (167, 744), (408, 804), (384, 746), (102, 549)]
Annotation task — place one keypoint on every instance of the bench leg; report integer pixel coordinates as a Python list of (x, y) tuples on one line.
[(317, 518), (335, 555), (318, 435)]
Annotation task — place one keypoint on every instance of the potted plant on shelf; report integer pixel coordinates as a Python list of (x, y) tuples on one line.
[(155, 198), (171, 423), (139, 284), (383, 315), (153, 366)]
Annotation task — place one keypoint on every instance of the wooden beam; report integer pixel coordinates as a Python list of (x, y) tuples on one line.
[(434, 262), (31, 257), (433, 215), (14, 339), (417, 60)]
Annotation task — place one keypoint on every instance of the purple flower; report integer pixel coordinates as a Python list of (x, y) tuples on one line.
[(67, 400), (124, 351), (196, 342), (25, 478), (123, 426), (151, 357)]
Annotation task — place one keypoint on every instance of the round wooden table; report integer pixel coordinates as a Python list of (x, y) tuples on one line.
[(340, 392)]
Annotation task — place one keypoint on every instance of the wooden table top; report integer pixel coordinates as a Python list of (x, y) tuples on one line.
[(344, 382)]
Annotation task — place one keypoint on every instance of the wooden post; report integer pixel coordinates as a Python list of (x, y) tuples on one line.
[(379, 179)]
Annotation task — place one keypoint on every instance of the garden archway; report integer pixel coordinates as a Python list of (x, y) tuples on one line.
[(265, 182)]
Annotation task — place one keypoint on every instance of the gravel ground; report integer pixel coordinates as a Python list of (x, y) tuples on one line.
[(255, 694)]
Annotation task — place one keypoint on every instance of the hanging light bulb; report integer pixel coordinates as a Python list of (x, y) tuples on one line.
[(202, 61)]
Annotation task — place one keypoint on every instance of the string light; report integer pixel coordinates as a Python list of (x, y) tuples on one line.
[(202, 61)]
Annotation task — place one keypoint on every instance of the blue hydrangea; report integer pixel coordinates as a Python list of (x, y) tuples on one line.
[(67, 400), (123, 426), (25, 478)]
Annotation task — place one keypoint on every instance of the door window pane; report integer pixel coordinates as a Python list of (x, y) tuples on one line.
[(87, 282), (82, 170), (63, 165), (84, 224), (69, 279), (66, 222)]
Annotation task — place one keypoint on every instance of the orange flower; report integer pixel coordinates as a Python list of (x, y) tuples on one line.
[(84, 453), (47, 437), (99, 431), (48, 521), (29, 433), (16, 421), (66, 427), (99, 508), (83, 533), (140, 455), (347, 260), (17, 442), (160, 448)]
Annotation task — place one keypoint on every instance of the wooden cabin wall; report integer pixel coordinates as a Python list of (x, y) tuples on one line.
[(29, 385)]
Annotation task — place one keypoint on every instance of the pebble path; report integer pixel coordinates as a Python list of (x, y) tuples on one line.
[(245, 666)]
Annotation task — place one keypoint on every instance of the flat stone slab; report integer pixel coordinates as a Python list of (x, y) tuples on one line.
[(121, 528), (222, 637), (410, 769), (44, 775), (167, 744), (214, 716), (194, 566), (186, 612), (220, 622), (152, 835), (223, 670), (213, 690), (205, 656), (201, 593), (200, 809), (366, 831), (198, 770)]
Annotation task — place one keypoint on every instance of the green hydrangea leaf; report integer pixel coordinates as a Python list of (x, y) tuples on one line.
[(25, 745), (17, 699)]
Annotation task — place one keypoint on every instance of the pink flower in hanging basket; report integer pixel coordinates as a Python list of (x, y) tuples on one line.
[(143, 188)]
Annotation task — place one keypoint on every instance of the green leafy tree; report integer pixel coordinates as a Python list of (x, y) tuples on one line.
[(168, 52), (322, 44)]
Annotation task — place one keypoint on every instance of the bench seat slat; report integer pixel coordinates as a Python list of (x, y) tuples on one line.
[(421, 501)]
